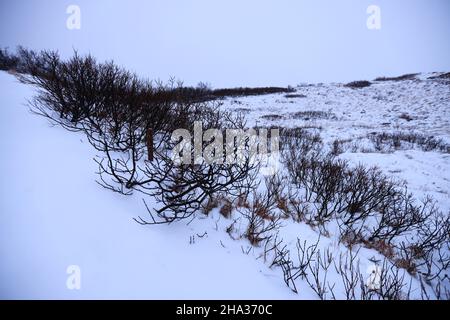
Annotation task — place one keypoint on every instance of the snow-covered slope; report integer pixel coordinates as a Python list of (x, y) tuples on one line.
[(54, 215)]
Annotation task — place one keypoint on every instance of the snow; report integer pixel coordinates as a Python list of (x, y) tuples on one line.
[(356, 111), (53, 214)]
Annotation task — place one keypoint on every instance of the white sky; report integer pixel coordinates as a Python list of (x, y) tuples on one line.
[(241, 42)]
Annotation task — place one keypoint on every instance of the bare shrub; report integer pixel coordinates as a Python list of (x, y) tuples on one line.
[(323, 182), (116, 110), (317, 276), (236, 92), (262, 222), (391, 285), (339, 191), (380, 245), (371, 209), (260, 213), (358, 84), (297, 207), (364, 191), (283, 260), (441, 76), (8, 61), (350, 238), (211, 204), (182, 189), (291, 270), (300, 140), (348, 268), (337, 147), (428, 252), (387, 284), (400, 215)]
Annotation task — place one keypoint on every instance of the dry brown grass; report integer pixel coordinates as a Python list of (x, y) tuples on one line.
[(210, 205), (262, 211), (242, 202), (227, 208), (407, 264), (382, 247)]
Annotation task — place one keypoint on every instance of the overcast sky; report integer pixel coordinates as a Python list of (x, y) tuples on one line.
[(241, 42)]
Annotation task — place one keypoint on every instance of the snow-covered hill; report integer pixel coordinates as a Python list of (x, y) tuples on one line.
[(53, 214), (336, 112)]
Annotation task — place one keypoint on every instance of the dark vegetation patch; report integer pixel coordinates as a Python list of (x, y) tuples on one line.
[(17, 63), (371, 209), (292, 96), (310, 114), (444, 76), (404, 140), (409, 76), (239, 92), (8, 61), (299, 115), (358, 84), (406, 117), (202, 94)]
